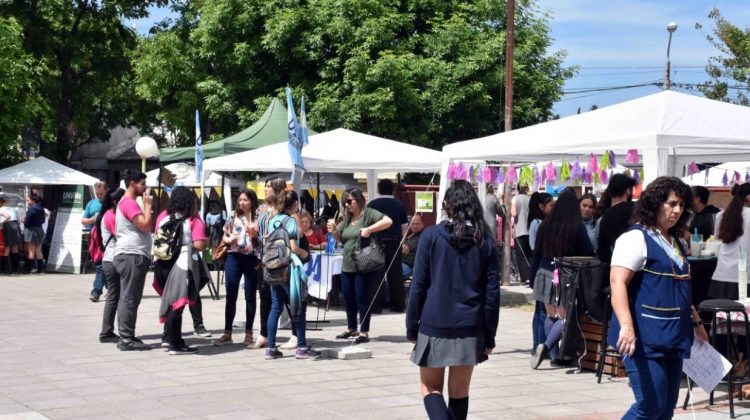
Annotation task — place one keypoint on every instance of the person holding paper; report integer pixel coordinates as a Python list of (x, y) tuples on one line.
[(654, 322)]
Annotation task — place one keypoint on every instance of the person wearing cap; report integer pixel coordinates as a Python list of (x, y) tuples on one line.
[(11, 258), (616, 218)]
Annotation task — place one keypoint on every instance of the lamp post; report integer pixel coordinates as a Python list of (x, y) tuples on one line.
[(671, 27), (146, 147)]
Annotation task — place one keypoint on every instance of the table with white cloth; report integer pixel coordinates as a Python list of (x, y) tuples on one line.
[(320, 270)]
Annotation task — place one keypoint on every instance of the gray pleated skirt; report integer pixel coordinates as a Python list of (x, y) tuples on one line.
[(443, 352), (544, 290), (34, 235)]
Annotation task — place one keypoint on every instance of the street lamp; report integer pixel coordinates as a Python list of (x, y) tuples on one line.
[(146, 147), (671, 27)]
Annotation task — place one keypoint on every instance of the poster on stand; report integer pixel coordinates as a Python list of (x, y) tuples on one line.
[(67, 239), (424, 201)]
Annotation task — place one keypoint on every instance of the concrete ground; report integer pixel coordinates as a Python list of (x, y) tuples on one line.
[(52, 366)]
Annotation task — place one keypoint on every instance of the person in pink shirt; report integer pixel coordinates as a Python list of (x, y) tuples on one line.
[(132, 256), (105, 228)]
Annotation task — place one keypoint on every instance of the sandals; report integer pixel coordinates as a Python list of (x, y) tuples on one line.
[(224, 340), (249, 340), (347, 334)]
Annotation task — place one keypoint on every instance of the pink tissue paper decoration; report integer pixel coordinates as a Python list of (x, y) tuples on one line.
[(461, 171), (551, 172), (725, 179), (632, 156), (487, 175), (604, 177), (575, 171), (471, 173), (692, 168), (612, 161), (500, 179), (593, 164), (451, 171), (511, 176)]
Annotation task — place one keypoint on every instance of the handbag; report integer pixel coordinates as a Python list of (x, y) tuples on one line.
[(220, 252), (369, 258)]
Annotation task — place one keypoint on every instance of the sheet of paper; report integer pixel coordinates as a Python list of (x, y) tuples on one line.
[(706, 366)]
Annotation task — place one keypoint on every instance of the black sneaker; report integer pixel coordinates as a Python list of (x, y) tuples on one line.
[(361, 339), (95, 296), (132, 345), (201, 331), (183, 349), (109, 338)]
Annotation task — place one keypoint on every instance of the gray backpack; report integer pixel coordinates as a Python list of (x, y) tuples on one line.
[(277, 253)]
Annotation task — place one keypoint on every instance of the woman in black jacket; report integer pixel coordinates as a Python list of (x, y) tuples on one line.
[(454, 302)]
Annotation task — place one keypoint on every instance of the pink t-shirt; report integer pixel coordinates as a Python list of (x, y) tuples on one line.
[(108, 229), (129, 208)]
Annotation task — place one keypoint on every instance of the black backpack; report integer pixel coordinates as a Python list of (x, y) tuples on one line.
[(168, 239), (277, 253)]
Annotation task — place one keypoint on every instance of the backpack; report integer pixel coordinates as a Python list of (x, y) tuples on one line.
[(168, 239), (277, 253), (96, 250)]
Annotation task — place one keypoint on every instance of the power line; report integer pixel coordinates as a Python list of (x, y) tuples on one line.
[(608, 88), (638, 67)]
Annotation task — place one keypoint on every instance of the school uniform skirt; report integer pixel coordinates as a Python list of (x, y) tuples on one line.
[(34, 235), (438, 352), (11, 233), (545, 290)]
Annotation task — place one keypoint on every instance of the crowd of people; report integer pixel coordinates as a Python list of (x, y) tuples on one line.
[(23, 239)]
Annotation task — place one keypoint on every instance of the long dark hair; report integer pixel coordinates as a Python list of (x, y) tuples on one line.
[(110, 200), (253, 198), (462, 206), (290, 198), (730, 227), (558, 231), (655, 195), (355, 194), (592, 197), (537, 199), (182, 201)]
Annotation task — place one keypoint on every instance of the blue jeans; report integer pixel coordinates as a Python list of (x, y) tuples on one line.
[(406, 271), (235, 267), (656, 385), (537, 324), (356, 290), (279, 296), (98, 280)]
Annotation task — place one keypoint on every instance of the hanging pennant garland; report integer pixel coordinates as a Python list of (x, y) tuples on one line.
[(575, 171), (631, 157), (511, 177), (565, 171), (538, 178), (612, 159), (725, 179), (500, 178), (527, 176), (451, 174), (487, 175), (604, 164), (471, 173), (693, 169), (478, 174), (593, 166), (461, 172), (604, 177), (551, 175)]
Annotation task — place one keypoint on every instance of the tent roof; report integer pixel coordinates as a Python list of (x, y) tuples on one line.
[(339, 150), (44, 171), (685, 125), (271, 128), (185, 176)]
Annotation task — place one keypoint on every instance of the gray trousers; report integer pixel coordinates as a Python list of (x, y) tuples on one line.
[(112, 280), (132, 269)]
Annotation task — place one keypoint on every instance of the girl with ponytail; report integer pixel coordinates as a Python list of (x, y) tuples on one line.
[(733, 230)]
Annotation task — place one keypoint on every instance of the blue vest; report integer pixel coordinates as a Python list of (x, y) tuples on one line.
[(660, 304)]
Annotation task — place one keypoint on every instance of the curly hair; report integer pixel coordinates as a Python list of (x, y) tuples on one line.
[(730, 227), (537, 199), (557, 233), (461, 204), (182, 201), (655, 195)]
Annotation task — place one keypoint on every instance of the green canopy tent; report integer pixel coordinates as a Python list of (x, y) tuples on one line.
[(271, 128)]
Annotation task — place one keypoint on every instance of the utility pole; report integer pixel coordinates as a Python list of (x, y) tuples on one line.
[(510, 13), (671, 27)]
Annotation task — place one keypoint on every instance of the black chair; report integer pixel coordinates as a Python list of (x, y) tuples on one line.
[(715, 306), (604, 349)]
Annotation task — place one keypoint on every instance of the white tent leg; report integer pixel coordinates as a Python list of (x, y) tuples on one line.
[(654, 164), (372, 185), (444, 183)]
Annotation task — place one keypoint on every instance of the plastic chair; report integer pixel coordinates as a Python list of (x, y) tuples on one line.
[(715, 306)]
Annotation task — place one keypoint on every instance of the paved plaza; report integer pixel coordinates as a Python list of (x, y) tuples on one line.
[(52, 366)]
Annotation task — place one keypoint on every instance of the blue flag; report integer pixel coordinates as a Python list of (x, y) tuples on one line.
[(303, 122), (295, 133), (198, 148)]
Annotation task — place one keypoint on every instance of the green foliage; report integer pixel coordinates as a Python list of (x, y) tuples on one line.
[(425, 71), (729, 71)]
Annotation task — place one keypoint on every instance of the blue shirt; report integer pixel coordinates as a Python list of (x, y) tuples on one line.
[(93, 207)]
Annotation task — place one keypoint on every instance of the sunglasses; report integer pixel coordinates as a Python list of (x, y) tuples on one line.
[(349, 201)]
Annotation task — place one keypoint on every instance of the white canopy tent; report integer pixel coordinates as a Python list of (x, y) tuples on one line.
[(339, 150), (185, 176), (42, 171)]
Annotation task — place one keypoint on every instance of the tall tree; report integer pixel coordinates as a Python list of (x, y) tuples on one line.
[(426, 72), (729, 71), (83, 46)]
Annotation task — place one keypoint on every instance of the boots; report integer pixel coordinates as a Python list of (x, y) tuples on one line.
[(5, 265), (41, 266), (15, 262)]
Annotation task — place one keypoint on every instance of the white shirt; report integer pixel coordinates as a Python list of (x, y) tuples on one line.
[(522, 214), (726, 267), (631, 251)]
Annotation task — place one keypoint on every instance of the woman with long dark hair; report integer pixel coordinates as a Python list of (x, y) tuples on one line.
[(189, 272), (654, 322), (240, 232), (454, 302), (560, 235), (359, 221), (540, 206), (732, 228), (105, 230)]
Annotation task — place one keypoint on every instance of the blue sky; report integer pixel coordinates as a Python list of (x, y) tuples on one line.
[(619, 43)]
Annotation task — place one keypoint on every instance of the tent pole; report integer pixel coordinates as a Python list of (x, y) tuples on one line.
[(316, 199), (159, 186)]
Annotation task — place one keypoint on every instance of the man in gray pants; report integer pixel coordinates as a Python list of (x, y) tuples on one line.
[(132, 256)]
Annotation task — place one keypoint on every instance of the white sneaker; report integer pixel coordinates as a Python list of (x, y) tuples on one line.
[(291, 344)]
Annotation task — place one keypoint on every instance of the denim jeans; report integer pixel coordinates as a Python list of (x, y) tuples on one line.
[(235, 267), (279, 296), (356, 290), (98, 280), (537, 324), (406, 271), (655, 383)]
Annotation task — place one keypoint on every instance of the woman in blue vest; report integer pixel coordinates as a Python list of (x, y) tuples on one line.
[(654, 322)]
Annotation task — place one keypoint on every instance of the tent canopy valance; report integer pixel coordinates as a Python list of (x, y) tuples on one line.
[(271, 128), (669, 129), (184, 175), (42, 171)]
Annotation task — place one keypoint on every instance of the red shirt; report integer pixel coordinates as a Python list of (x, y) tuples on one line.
[(316, 238)]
